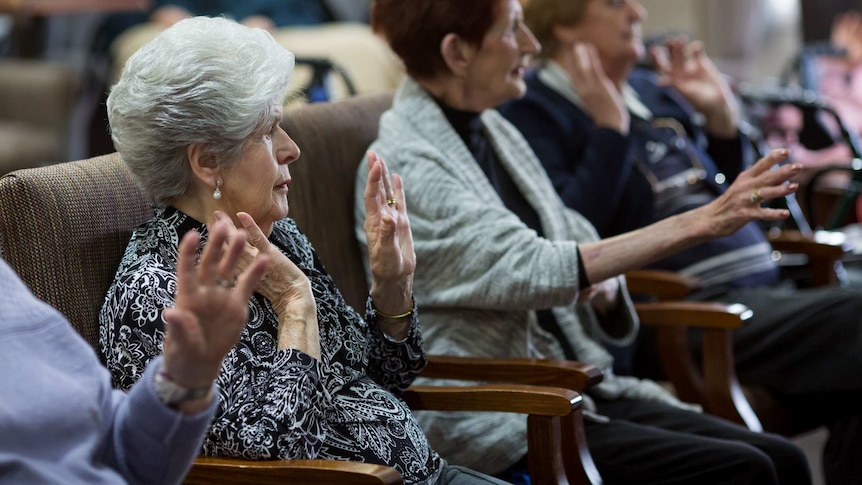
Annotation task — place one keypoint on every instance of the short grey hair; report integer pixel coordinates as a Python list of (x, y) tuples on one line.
[(209, 81)]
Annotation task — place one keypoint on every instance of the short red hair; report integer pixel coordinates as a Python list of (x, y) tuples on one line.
[(415, 29)]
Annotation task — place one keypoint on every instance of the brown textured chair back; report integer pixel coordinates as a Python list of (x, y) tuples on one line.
[(333, 138), (76, 216)]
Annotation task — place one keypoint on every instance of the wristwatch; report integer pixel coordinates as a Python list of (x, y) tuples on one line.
[(172, 394)]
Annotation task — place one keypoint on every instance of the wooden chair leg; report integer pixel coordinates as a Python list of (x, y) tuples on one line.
[(558, 451), (713, 383), (724, 394)]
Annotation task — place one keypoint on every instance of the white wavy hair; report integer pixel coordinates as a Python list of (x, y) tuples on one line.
[(204, 80)]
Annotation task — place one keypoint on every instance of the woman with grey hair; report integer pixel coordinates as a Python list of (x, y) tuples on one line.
[(196, 116)]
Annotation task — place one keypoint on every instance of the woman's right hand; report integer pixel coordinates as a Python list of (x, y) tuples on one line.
[(601, 98), (285, 286)]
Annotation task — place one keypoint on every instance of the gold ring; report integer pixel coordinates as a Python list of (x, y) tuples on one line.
[(390, 202), (226, 283), (755, 197)]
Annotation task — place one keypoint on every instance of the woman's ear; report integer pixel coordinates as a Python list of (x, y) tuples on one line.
[(457, 54), (203, 163)]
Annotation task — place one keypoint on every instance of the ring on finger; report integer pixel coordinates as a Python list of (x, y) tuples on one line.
[(390, 202), (225, 283), (755, 197)]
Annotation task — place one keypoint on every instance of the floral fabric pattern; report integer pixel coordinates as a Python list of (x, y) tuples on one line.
[(278, 404)]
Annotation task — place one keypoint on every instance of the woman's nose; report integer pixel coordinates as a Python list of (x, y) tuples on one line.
[(287, 150), (529, 43), (639, 12)]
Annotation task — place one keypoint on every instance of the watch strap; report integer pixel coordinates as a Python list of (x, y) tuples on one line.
[(172, 394)]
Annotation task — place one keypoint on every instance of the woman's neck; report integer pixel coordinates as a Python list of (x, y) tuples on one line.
[(197, 201), (453, 93)]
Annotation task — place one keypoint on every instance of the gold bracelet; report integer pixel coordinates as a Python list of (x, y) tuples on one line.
[(400, 315)]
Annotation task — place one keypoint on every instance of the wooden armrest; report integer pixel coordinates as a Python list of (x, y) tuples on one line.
[(235, 471), (700, 314), (555, 429), (539, 372), (824, 249), (509, 398), (663, 285), (713, 383), (821, 244)]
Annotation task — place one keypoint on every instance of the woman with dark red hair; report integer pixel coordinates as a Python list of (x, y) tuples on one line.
[(504, 269)]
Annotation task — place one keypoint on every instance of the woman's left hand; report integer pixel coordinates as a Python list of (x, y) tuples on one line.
[(741, 202), (390, 243), (686, 67)]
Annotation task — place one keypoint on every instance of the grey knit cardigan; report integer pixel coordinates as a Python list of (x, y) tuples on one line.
[(481, 273)]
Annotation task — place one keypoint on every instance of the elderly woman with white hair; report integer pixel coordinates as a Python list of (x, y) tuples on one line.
[(196, 117)]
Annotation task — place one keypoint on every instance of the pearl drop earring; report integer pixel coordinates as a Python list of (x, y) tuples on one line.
[(217, 192)]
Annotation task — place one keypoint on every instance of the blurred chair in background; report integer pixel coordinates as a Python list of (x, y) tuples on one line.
[(36, 103)]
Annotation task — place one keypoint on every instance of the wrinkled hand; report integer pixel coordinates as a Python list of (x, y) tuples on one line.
[(283, 283), (686, 67), (208, 316), (390, 242), (286, 287), (603, 296), (741, 203), (601, 98), (847, 34)]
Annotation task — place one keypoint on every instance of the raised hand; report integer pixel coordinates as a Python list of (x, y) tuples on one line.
[(600, 97), (686, 67), (210, 309), (741, 203), (390, 242)]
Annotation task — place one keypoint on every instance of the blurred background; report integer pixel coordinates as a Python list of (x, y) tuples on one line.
[(59, 57)]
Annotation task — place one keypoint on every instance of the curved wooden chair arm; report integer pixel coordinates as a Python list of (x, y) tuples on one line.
[(555, 428), (824, 249), (539, 372), (509, 398), (235, 471), (712, 383), (831, 244), (701, 314), (660, 284)]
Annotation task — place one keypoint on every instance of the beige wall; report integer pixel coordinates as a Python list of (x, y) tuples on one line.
[(749, 39)]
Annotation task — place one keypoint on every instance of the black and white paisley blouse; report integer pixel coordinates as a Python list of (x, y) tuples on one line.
[(278, 403)]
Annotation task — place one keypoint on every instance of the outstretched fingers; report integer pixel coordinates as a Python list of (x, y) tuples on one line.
[(187, 273), (398, 189), (256, 237), (770, 160), (771, 182), (375, 188)]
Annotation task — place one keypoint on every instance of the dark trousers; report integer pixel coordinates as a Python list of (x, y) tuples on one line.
[(805, 346), (458, 475), (652, 443)]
